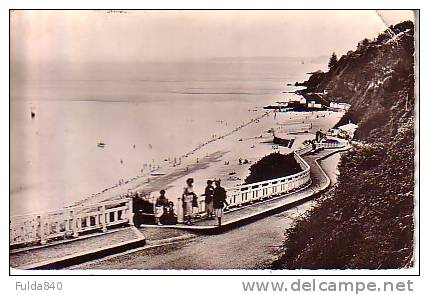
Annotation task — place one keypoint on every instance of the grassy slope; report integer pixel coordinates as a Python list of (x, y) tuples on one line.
[(366, 221)]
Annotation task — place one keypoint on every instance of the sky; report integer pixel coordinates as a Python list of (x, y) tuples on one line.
[(58, 37)]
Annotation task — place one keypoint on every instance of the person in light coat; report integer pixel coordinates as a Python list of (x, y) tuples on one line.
[(187, 197)]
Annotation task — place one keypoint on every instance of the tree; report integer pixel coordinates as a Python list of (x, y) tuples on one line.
[(363, 44), (382, 37), (332, 61)]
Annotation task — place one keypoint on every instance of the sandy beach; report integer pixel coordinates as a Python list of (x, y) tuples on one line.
[(219, 158), (149, 120)]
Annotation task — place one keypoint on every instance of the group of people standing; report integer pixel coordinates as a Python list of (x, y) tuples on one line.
[(215, 201)]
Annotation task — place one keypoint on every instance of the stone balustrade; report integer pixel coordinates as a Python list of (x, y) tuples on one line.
[(69, 222)]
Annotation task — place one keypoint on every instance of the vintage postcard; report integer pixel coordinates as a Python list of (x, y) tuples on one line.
[(271, 141)]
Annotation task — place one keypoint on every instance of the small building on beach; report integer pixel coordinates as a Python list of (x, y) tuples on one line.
[(316, 101), (339, 106)]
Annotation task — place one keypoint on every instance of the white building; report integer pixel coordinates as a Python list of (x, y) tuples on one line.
[(344, 106), (340, 105)]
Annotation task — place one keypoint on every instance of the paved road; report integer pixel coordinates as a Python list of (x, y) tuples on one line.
[(251, 246)]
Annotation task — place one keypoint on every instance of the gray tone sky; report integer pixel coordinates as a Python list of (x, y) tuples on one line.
[(80, 37)]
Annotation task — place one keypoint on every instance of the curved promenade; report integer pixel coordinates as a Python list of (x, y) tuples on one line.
[(318, 181), (178, 249), (244, 199), (157, 236)]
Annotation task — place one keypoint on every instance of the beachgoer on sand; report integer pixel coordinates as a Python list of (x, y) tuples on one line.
[(219, 200), (187, 197)]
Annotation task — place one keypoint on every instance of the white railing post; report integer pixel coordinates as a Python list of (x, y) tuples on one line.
[(68, 224), (11, 232), (78, 226), (179, 210), (42, 223), (97, 219), (88, 221), (103, 218), (74, 225), (130, 214)]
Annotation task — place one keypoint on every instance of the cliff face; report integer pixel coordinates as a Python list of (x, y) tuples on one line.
[(366, 221), (377, 79)]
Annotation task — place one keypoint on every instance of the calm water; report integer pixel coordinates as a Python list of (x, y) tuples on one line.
[(144, 114)]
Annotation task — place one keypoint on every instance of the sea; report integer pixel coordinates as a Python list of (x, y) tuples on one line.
[(144, 114)]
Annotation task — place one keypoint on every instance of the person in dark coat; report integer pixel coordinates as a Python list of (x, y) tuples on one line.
[(169, 217), (137, 209), (160, 206), (219, 200), (209, 192)]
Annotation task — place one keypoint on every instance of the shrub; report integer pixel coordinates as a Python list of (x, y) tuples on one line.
[(274, 165)]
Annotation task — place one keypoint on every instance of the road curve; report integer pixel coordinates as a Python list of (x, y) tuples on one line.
[(252, 246)]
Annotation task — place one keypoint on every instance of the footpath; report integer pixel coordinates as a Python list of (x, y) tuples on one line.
[(68, 252), (246, 214), (98, 245)]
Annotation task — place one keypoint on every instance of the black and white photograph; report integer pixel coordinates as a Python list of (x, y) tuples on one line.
[(213, 140)]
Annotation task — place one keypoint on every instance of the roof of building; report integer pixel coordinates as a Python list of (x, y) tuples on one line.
[(317, 98)]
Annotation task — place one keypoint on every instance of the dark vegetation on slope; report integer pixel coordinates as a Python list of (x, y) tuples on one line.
[(366, 220), (274, 165)]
